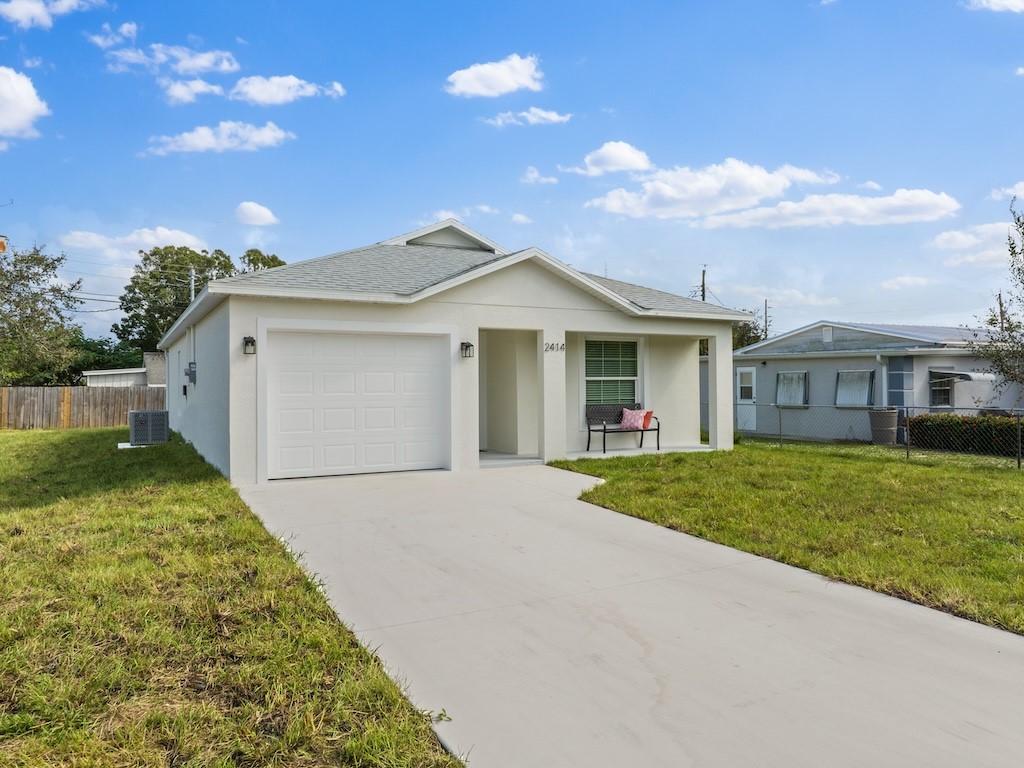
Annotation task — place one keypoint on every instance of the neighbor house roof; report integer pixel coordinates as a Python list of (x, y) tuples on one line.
[(409, 268), (827, 337)]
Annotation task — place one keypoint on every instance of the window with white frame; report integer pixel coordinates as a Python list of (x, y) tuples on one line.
[(611, 371), (791, 389), (940, 388), (855, 389)]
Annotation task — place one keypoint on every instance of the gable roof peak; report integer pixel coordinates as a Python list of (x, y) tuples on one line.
[(450, 233)]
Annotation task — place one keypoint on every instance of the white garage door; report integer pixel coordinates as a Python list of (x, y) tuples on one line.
[(344, 404)]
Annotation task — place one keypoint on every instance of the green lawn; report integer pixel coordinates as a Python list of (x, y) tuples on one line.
[(944, 531), (147, 618)]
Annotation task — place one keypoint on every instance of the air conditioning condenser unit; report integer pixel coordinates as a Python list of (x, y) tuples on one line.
[(148, 427)]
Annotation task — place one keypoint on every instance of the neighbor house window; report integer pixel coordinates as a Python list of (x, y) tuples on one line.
[(940, 388), (612, 371), (791, 389), (854, 388)]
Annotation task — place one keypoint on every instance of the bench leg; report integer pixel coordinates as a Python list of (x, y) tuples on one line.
[(641, 439), (657, 433), (589, 433), (604, 441)]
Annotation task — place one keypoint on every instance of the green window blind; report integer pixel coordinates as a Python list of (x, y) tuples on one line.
[(611, 371)]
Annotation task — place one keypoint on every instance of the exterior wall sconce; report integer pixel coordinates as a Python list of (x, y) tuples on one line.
[(249, 345), (467, 350)]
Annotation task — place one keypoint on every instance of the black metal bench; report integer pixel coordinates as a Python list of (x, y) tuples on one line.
[(607, 417)]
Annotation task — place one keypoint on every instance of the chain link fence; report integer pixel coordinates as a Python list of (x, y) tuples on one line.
[(907, 432)]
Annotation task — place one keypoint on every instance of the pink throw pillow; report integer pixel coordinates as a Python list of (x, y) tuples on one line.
[(632, 419)]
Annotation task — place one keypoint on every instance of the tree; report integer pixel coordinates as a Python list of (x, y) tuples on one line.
[(160, 290), (1001, 340), (35, 329), (254, 260), (749, 331)]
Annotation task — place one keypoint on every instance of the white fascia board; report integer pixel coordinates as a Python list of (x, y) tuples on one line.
[(749, 353), (363, 297), (194, 312), (112, 371)]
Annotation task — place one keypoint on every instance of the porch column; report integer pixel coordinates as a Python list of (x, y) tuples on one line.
[(720, 383), (552, 415)]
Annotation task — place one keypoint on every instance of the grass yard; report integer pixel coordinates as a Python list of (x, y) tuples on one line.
[(947, 532), (147, 618)]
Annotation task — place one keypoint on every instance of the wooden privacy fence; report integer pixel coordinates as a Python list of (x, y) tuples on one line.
[(70, 407)]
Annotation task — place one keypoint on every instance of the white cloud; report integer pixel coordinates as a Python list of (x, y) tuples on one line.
[(126, 247), (1019, 71), (533, 176), (227, 136), (108, 37), (874, 186), (496, 78), (612, 156), (183, 60), (33, 63), (958, 239), (20, 106), (983, 245), (1015, 6), (521, 218), (266, 91), (254, 214), (1017, 190), (443, 214), (683, 192), (901, 207), (532, 116), (906, 281), (41, 13), (186, 91)]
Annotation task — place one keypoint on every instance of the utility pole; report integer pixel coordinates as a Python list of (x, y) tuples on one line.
[(1002, 314), (766, 318), (704, 282), (191, 284)]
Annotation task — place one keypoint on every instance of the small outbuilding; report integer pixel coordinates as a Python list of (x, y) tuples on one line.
[(422, 351)]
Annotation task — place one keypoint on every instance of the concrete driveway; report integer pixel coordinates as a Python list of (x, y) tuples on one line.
[(556, 633)]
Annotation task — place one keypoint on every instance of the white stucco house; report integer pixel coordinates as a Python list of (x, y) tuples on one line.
[(819, 381), (423, 350)]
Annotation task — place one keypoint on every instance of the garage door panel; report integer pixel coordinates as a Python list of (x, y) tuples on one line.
[(339, 458), (349, 403), (339, 419), (296, 382), (297, 420), (300, 458), (338, 383), (378, 455)]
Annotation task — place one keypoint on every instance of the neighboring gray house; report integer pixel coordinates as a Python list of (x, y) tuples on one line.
[(819, 381)]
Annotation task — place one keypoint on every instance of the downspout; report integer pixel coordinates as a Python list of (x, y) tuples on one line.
[(884, 362)]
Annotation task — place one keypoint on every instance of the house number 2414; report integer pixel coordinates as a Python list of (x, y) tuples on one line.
[(551, 346)]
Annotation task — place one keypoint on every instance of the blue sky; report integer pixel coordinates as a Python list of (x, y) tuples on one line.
[(845, 160)]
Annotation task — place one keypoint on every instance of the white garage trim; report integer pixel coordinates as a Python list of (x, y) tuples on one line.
[(447, 334)]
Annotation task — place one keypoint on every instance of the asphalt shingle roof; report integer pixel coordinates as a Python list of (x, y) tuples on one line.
[(392, 269), (651, 299)]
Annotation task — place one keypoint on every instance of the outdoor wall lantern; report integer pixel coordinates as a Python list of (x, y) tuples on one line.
[(467, 350), (249, 345)]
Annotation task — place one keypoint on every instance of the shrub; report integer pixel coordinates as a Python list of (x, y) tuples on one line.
[(995, 435)]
